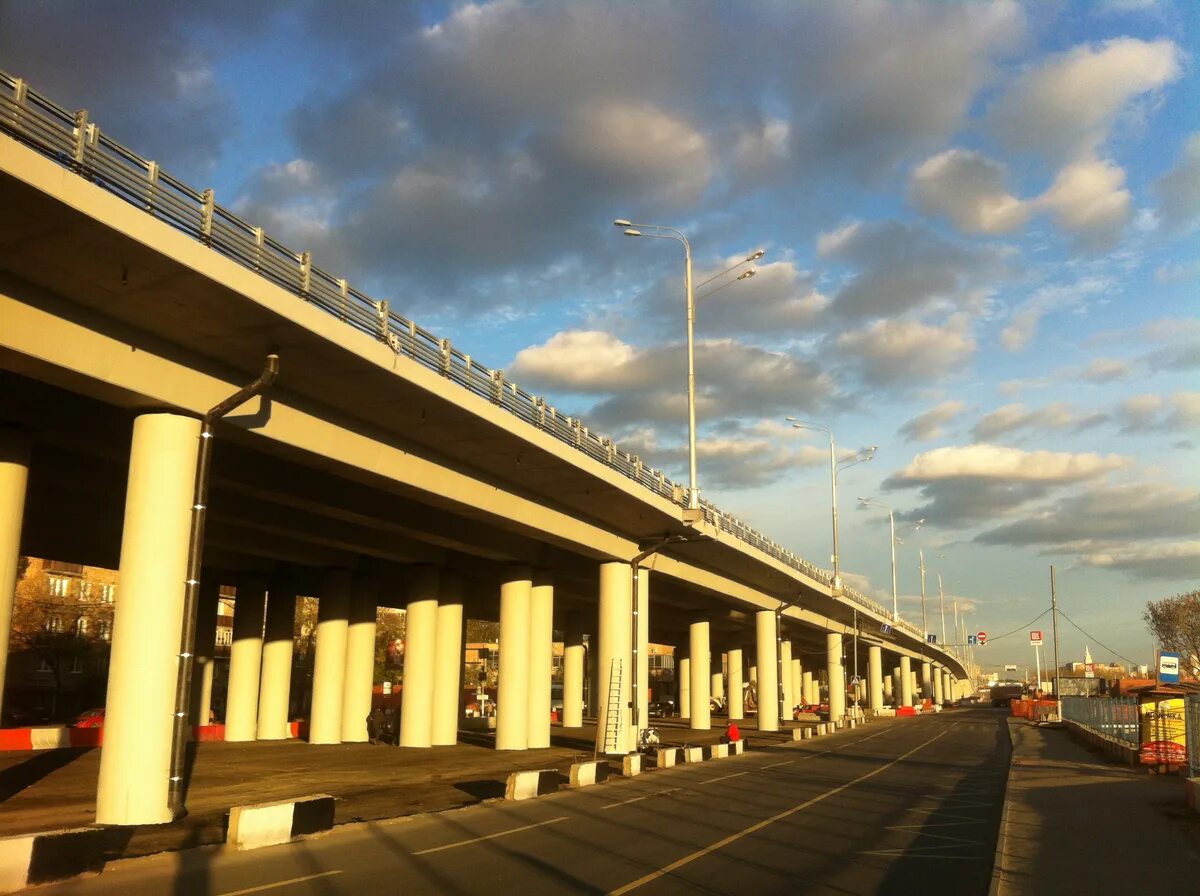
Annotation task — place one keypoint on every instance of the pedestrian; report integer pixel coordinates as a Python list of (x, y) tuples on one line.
[(731, 733)]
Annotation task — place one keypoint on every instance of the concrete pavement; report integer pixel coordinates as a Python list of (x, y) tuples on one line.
[(1075, 822)]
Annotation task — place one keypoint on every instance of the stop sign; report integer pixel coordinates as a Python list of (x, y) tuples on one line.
[(982, 637)]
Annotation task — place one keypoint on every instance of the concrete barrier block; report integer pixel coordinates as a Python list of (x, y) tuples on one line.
[(16, 853), (717, 751), (798, 733), (806, 732), (584, 774), (738, 747), (631, 765), (48, 856), (822, 728), (693, 754), (265, 824), (666, 757), (526, 785)]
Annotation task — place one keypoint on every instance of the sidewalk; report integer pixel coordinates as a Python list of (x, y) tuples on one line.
[(1075, 823), (56, 789)]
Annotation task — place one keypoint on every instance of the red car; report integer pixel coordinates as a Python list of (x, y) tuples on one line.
[(92, 718)]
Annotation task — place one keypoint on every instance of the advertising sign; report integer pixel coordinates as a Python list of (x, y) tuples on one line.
[(1163, 730), (1035, 639), (1168, 668)]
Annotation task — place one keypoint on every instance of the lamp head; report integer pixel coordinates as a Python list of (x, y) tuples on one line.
[(746, 275), (629, 231), (756, 255), (621, 222)]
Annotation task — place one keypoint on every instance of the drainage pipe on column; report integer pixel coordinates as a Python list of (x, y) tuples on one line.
[(183, 678), (634, 565)]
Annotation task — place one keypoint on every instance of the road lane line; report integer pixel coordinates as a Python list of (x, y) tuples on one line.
[(723, 778), (758, 826), (281, 883), (527, 827), (777, 764), (642, 797)]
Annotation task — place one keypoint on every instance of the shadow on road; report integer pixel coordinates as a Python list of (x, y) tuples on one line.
[(16, 778)]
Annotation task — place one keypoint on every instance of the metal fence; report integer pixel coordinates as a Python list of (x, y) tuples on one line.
[(1193, 734), (75, 142), (1114, 717)]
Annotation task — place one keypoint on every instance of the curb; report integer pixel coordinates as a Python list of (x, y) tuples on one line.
[(47, 856), (1002, 834), (266, 824)]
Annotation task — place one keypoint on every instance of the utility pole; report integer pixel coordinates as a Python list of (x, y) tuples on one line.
[(942, 605), (1054, 617), (857, 684)]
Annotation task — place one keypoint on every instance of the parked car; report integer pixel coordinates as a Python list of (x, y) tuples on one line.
[(661, 709), (91, 718)]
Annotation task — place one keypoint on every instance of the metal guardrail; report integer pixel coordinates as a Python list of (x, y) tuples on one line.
[(77, 143), (1113, 717), (1192, 715)]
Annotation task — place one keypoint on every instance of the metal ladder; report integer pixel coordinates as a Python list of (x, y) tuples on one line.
[(612, 718)]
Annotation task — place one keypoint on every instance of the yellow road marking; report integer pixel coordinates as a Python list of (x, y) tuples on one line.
[(758, 826)]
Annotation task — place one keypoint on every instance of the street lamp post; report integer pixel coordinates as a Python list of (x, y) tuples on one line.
[(834, 465), (660, 231), (892, 528)]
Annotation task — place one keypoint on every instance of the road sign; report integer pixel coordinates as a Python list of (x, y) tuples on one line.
[(885, 628), (971, 640), (1168, 668), (1035, 639), (930, 638), (1011, 667), (854, 679), (981, 638)]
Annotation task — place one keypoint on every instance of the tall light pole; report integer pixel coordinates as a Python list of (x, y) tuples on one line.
[(892, 527), (834, 465), (661, 231)]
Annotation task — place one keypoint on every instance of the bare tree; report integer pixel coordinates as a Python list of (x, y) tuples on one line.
[(1175, 622)]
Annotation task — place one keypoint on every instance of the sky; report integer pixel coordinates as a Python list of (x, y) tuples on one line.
[(981, 225)]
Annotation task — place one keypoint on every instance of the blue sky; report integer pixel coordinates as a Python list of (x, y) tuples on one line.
[(981, 226)]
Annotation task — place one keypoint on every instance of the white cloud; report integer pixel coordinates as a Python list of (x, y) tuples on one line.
[(1065, 107), (1179, 189), (968, 188), (1175, 560), (1105, 370), (833, 241), (1088, 198), (1024, 323), (997, 462), (904, 351), (576, 361), (1012, 417), (928, 425), (1178, 412)]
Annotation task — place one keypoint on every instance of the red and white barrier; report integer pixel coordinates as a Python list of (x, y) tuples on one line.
[(18, 739)]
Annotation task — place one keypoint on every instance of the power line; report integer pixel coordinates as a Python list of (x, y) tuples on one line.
[(1095, 639), (1022, 627)]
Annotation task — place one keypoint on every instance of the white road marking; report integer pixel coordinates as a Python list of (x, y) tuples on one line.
[(758, 826), (777, 764), (425, 852), (724, 778), (642, 797), (281, 883)]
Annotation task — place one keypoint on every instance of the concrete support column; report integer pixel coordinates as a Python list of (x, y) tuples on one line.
[(718, 678), (135, 760), (906, 682), (14, 477), (736, 706), (836, 675), (613, 735), (447, 662), (937, 686), (420, 657), (916, 687), (208, 600), (360, 658), (808, 687), (797, 679), (926, 680), (329, 664), (785, 668), (875, 677), (768, 679), (541, 659), (683, 678), (643, 649), (889, 688), (698, 641), (948, 685), (275, 682), (573, 667), (512, 694), (245, 660)]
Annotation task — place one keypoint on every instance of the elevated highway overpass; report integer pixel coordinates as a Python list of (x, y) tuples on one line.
[(384, 467)]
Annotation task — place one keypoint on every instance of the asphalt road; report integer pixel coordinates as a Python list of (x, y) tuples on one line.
[(910, 806)]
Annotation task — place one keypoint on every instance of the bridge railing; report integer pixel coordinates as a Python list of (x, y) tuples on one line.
[(71, 139)]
